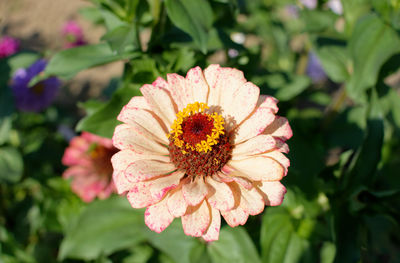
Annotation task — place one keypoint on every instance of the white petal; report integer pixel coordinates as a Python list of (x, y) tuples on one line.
[(272, 192), (176, 203), (136, 139), (160, 186), (212, 232), (121, 160), (147, 120), (157, 217), (279, 128), (242, 102), (160, 102), (181, 94), (194, 191), (259, 168), (196, 220), (255, 145), (142, 170), (254, 125), (196, 81), (220, 195)]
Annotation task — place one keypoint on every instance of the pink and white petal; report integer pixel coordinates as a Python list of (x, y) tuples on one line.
[(269, 102), (234, 177), (194, 191), (144, 118), (235, 217), (259, 144), (254, 125), (280, 158), (272, 192), (196, 220), (220, 195), (160, 102), (176, 203), (228, 81), (211, 74), (142, 170), (121, 160), (161, 186), (139, 195), (196, 81), (251, 201), (181, 94), (242, 102), (74, 156), (76, 171), (282, 146), (157, 217), (212, 233), (160, 83), (136, 139), (259, 168), (138, 102), (279, 128)]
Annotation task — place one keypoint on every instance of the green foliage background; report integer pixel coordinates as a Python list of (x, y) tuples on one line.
[(343, 200)]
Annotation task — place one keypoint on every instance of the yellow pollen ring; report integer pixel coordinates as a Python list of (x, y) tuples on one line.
[(204, 145)]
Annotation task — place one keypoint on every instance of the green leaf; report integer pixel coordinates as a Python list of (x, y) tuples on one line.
[(22, 60), (372, 43), (103, 227), (234, 245), (11, 165), (295, 86), (193, 17), (174, 243), (102, 120), (328, 252), (334, 60), (280, 240), (368, 156), (122, 38), (67, 63)]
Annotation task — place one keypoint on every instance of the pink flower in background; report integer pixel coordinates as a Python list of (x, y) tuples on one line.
[(335, 6), (8, 46), (89, 158), (73, 34), (200, 147), (310, 4)]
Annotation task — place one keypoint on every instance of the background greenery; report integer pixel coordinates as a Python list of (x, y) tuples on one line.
[(343, 200)]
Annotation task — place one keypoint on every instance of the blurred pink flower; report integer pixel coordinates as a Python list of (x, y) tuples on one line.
[(200, 147), (73, 34), (8, 46), (310, 4), (89, 158)]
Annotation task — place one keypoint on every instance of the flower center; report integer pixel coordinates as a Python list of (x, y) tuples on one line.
[(38, 88), (101, 157), (198, 143)]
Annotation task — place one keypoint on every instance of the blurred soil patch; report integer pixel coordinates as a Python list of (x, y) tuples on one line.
[(38, 24)]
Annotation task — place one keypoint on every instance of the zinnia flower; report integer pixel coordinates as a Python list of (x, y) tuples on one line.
[(39, 96), (8, 46), (73, 34), (89, 158), (200, 147)]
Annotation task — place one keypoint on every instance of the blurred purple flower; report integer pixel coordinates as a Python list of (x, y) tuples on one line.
[(310, 4), (73, 34), (34, 98), (8, 46), (314, 69), (335, 6)]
